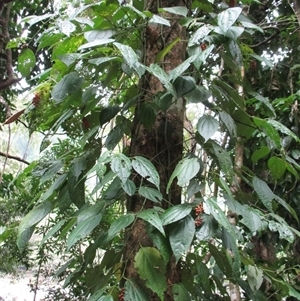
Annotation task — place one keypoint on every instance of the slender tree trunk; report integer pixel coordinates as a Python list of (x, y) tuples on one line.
[(163, 143)]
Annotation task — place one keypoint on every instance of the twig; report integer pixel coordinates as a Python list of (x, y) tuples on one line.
[(8, 156)]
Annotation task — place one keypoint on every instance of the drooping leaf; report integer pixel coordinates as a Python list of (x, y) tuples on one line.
[(108, 113), (150, 194), (184, 85), (199, 94), (254, 277), (222, 260), (151, 268), (129, 187), (69, 84), (199, 35), (207, 126), (83, 229), (52, 231), (96, 43), (159, 20), (177, 10), (151, 216), (26, 62), (134, 292), (103, 34), (181, 235), (283, 230), (180, 293), (260, 153), (160, 56), (114, 137), (229, 123), (185, 170), (147, 114), (175, 213), (146, 169), (277, 167), (208, 228), (283, 129), (264, 192), (27, 224), (121, 166), (120, 224)]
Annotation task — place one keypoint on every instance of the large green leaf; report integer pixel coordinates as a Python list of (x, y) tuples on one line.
[(52, 231), (26, 62), (185, 170), (146, 169), (27, 224), (108, 113), (120, 224), (177, 10), (114, 137), (83, 228), (254, 277), (283, 230), (69, 84), (222, 259), (229, 123), (283, 129), (121, 166), (175, 213), (134, 292), (228, 17), (207, 126), (129, 187), (260, 153), (150, 194), (151, 216), (184, 85), (181, 235), (264, 192), (180, 293), (147, 114), (277, 167), (208, 228), (199, 35), (151, 268)]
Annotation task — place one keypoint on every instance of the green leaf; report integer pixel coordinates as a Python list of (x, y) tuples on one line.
[(207, 126), (150, 194), (283, 129), (96, 43), (120, 224), (254, 277), (114, 137), (229, 123), (177, 10), (157, 71), (228, 17), (27, 224), (121, 166), (147, 114), (252, 26), (199, 35), (69, 84), (175, 213), (108, 113), (26, 62), (161, 55), (159, 20), (185, 81), (151, 268), (268, 130), (260, 153), (146, 169), (184, 85), (134, 292), (100, 60), (52, 231), (199, 94), (277, 167), (264, 192), (151, 216), (208, 228), (83, 229), (94, 35), (222, 260), (283, 230), (66, 27), (181, 235), (180, 293), (185, 170), (129, 187)]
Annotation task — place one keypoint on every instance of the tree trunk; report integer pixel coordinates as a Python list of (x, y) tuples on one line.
[(162, 144)]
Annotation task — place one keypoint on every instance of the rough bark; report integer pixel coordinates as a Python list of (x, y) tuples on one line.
[(163, 143)]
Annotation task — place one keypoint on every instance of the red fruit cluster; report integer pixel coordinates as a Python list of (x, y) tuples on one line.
[(253, 64), (203, 46), (122, 294), (199, 210), (36, 100), (85, 123)]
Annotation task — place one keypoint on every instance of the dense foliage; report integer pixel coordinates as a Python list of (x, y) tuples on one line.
[(90, 91)]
